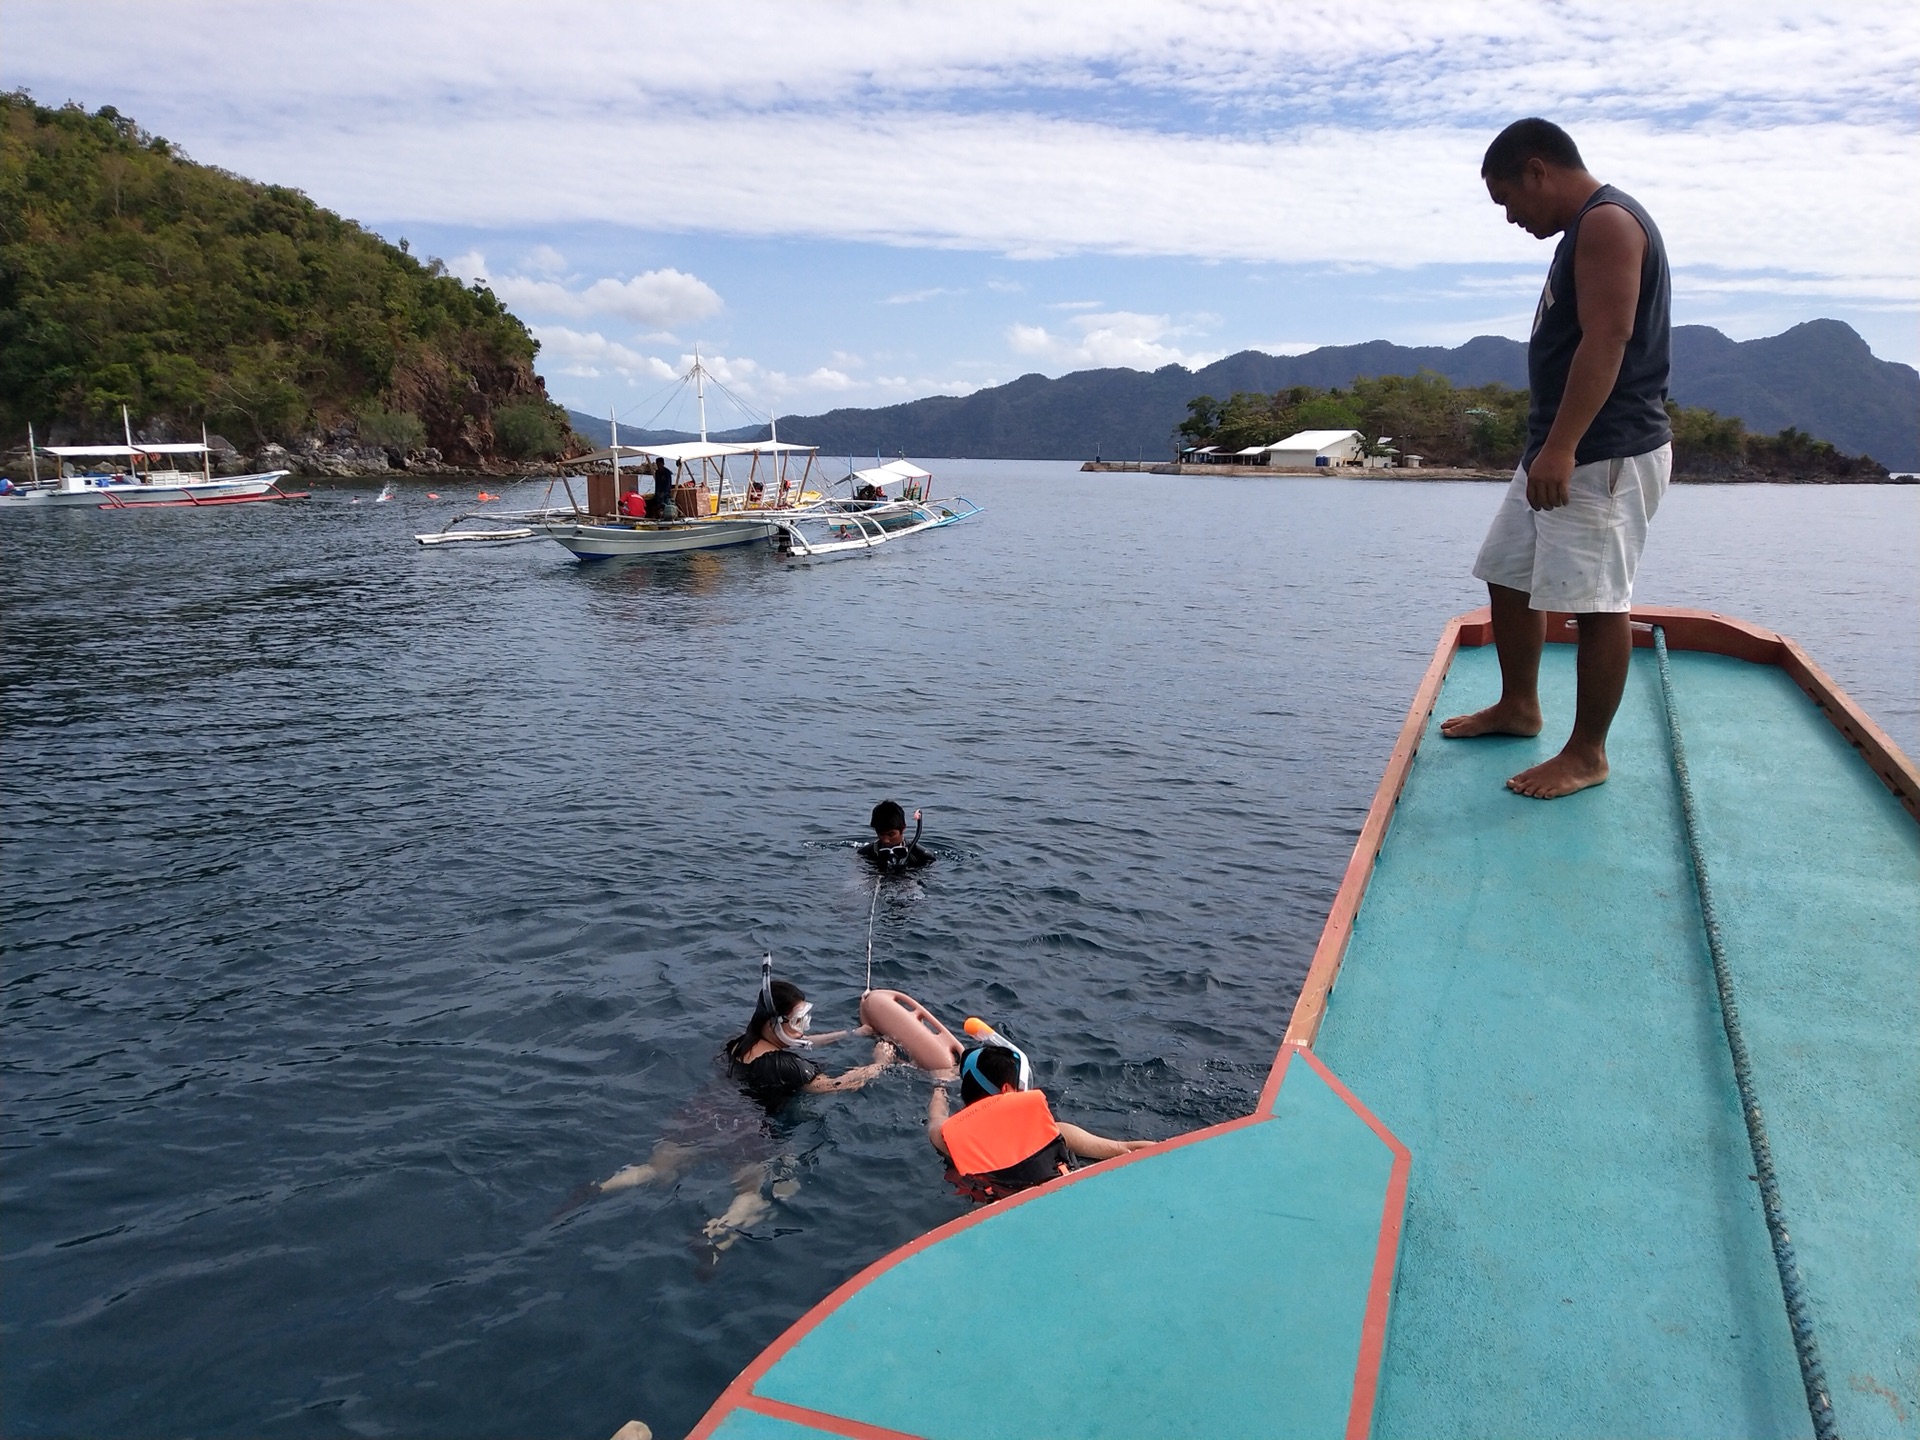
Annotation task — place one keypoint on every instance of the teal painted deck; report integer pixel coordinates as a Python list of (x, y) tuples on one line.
[(1217, 1288), (1527, 1002)]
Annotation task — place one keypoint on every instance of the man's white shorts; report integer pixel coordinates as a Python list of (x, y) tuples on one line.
[(1580, 558)]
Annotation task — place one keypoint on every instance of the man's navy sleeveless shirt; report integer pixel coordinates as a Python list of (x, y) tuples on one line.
[(1634, 418)]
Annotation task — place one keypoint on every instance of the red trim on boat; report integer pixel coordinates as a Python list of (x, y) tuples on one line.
[(1327, 955), (821, 1420), (1386, 1257), (116, 503)]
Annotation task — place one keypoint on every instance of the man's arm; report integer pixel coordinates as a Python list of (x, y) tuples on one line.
[(937, 1117), (1089, 1146), (1606, 276)]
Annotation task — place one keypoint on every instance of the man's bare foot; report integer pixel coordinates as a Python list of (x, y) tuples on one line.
[(1502, 718), (1562, 775)]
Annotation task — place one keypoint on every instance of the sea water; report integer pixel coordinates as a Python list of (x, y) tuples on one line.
[(359, 901)]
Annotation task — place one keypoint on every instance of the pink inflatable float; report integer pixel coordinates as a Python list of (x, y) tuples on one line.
[(911, 1026)]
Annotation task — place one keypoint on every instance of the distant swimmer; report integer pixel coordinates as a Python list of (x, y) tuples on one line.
[(890, 852), (1005, 1139), (768, 1062)]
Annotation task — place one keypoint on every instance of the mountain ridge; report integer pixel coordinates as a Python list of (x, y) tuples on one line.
[(1819, 377)]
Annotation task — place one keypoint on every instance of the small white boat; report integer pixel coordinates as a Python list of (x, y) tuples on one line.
[(871, 514), (146, 475)]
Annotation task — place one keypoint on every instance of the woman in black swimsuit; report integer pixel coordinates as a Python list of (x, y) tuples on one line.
[(768, 1060)]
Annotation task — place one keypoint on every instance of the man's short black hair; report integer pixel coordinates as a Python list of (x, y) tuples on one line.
[(998, 1064), (1529, 139), (888, 815)]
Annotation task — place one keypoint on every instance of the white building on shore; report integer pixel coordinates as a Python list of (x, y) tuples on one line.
[(1309, 448)]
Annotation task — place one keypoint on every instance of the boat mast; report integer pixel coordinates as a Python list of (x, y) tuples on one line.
[(126, 425), (206, 455), (700, 390), (33, 454)]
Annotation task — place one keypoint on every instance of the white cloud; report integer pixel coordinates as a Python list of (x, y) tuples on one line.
[(1115, 338), (826, 379), (914, 297), (545, 260), (590, 354), (1076, 305), (659, 298), (1776, 135)]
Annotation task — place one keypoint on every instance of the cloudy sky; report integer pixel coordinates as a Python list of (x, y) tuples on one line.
[(845, 202)]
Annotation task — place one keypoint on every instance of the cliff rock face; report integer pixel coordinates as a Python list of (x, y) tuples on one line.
[(130, 276)]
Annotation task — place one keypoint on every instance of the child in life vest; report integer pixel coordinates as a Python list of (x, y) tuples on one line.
[(1005, 1138)]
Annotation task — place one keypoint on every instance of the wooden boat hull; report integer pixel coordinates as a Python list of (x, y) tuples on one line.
[(590, 541)]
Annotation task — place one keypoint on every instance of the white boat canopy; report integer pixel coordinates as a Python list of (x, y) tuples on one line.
[(890, 473), (681, 450), (95, 452)]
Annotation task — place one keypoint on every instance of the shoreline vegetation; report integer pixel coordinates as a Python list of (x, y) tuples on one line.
[(1479, 432), (132, 276)]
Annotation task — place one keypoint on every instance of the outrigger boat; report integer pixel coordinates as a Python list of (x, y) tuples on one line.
[(714, 508), (149, 476), (1611, 1127), (871, 514)]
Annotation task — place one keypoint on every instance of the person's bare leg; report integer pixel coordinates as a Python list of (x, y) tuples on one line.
[(748, 1206), (1606, 650), (665, 1163), (1519, 631)]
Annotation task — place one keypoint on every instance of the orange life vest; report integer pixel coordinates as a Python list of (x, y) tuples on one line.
[(999, 1132)]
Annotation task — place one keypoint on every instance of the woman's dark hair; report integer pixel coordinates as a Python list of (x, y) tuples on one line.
[(786, 995), (1529, 139), (888, 815), (999, 1064)]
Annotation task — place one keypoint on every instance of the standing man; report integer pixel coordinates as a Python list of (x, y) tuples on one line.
[(1569, 533)]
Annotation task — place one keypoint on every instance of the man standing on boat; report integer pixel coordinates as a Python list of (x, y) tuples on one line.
[(1569, 533)]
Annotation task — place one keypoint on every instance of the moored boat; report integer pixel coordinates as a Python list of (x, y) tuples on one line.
[(1499, 1181), (144, 475)]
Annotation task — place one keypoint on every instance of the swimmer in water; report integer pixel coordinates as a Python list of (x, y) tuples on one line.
[(890, 852), (1005, 1139), (768, 1061)]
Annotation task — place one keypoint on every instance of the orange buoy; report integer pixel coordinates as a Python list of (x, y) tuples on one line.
[(483, 497), (433, 495)]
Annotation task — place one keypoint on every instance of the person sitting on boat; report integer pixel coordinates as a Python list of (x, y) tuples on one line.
[(1005, 1138), (661, 507), (769, 1063), (635, 505), (890, 852)]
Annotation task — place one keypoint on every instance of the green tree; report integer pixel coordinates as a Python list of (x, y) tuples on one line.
[(529, 430)]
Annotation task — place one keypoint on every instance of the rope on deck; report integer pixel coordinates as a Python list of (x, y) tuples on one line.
[(1812, 1374)]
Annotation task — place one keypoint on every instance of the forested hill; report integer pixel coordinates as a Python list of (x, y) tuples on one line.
[(1819, 378), (130, 275)]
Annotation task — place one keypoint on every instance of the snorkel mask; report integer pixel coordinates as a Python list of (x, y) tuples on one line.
[(987, 1035), (789, 1031)]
